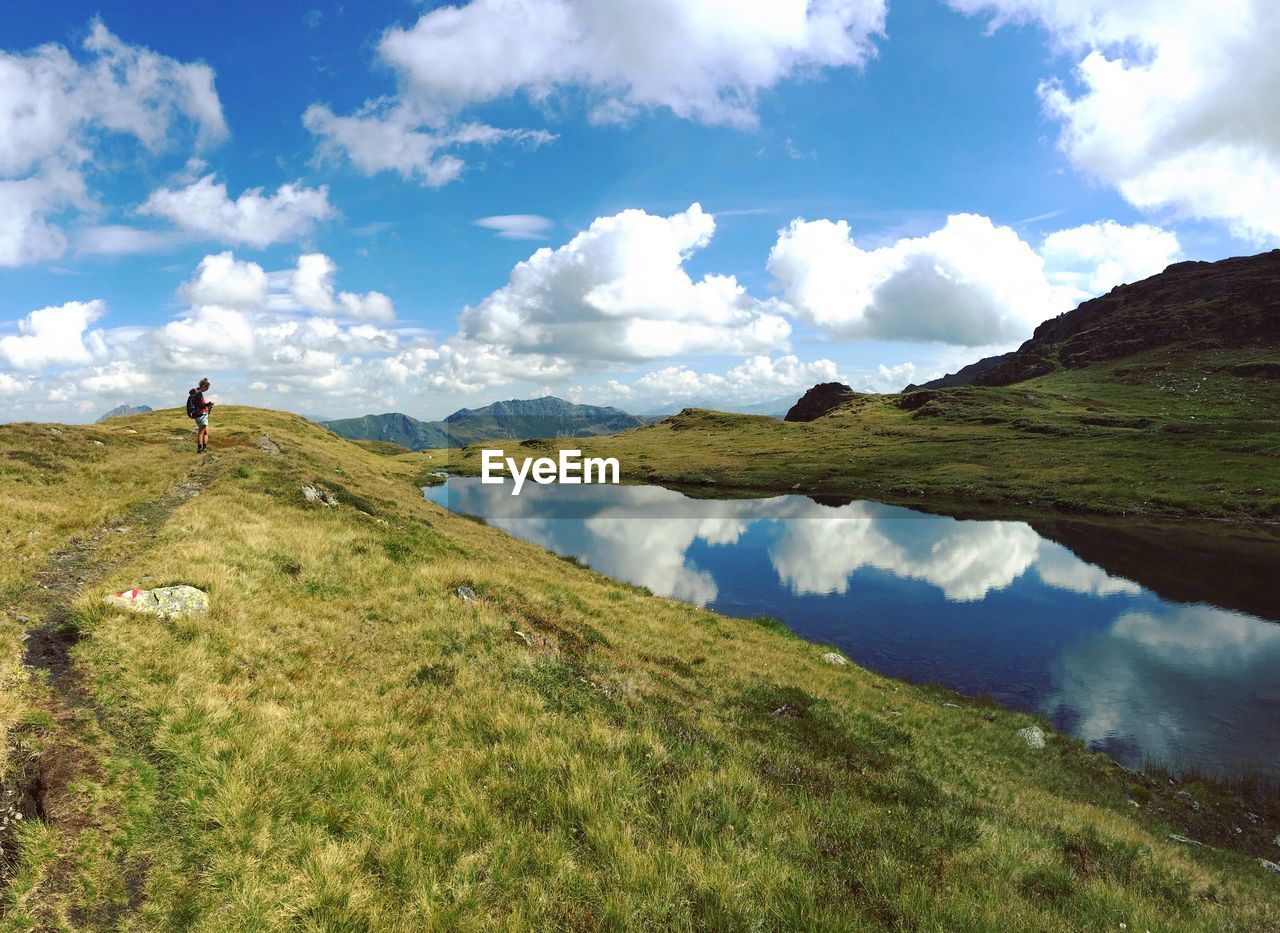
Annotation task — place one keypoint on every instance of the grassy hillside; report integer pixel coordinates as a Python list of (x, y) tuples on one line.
[(1174, 433), (345, 743)]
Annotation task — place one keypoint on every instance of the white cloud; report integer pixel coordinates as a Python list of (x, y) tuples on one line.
[(222, 279), (1175, 104), (756, 379), (460, 365), (619, 290), (253, 219), (971, 283), (27, 233), (516, 226), (1093, 258), (1126, 688), (705, 60), (55, 336), (311, 286), (121, 240), (120, 378), (383, 136), (55, 112), (50, 103)]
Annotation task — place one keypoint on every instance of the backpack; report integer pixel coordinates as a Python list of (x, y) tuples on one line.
[(193, 410)]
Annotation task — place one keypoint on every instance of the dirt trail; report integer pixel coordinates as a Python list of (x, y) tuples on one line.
[(76, 567), (41, 790)]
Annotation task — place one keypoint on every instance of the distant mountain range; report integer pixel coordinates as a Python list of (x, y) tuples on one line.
[(121, 410), (515, 419)]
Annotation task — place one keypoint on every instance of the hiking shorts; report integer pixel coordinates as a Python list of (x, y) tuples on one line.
[(202, 421)]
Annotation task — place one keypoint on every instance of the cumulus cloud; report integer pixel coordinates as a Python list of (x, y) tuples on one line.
[(222, 279), (756, 379), (1089, 260), (971, 283), (619, 290), (55, 336), (253, 219), (311, 286), (706, 60), (55, 112), (1126, 688), (28, 233), (460, 365), (1172, 103)]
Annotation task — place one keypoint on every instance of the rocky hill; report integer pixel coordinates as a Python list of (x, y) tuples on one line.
[(121, 410), (822, 398), (1230, 304), (514, 419)]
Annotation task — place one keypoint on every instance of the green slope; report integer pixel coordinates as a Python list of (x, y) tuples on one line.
[(346, 743)]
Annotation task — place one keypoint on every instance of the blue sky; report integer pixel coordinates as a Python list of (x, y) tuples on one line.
[(285, 197)]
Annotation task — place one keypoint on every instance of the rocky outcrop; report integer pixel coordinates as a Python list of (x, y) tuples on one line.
[(819, 400), (1234, 303), (963, 376)]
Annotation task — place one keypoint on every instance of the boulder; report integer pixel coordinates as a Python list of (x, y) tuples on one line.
[(834, 657), (166, 601), (316, 494), (1032, 737), (1268, 865), (267, 445), (466, 594)]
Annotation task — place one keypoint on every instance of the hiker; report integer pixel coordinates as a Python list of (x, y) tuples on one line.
[(198, 408)]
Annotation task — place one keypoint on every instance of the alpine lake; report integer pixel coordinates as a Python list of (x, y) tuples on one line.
[(1155, 643)]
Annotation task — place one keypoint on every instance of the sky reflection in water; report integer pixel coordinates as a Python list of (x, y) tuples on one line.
[(983, 607)]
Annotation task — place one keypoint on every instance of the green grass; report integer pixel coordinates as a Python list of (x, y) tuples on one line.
[(344, 743), (1164, 434)]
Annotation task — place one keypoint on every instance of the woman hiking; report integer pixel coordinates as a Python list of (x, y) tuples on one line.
[(198, 408)]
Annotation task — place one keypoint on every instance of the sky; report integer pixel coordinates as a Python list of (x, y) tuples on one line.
[(339, 208)]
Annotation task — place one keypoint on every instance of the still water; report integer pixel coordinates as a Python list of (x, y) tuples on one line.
[(1155, 645)]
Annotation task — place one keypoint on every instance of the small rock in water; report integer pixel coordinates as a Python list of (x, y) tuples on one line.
[(466, 594), (1032, 736), (166, 601), (1174, 837), (1269, 866), (835, 657)]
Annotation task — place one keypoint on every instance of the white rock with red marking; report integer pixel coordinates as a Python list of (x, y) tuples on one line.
[(167, 601)]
